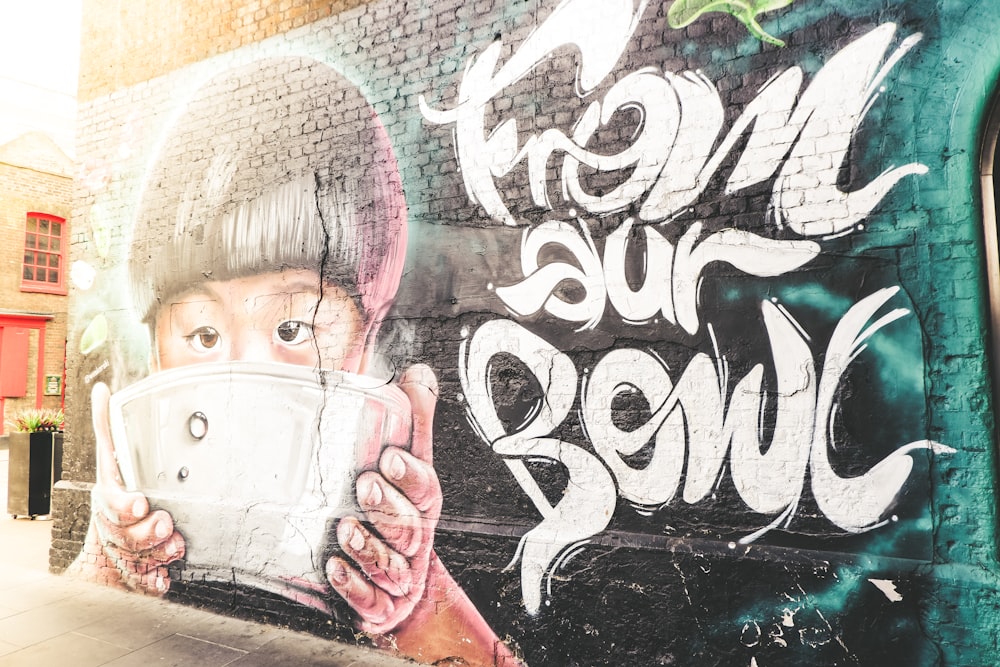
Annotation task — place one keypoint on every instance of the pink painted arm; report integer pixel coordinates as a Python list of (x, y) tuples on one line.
[(402, 593)]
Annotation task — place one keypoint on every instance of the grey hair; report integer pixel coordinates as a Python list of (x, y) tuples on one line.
[(281, 164)]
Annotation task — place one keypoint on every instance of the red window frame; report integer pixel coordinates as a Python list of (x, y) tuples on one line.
[(45, 241)]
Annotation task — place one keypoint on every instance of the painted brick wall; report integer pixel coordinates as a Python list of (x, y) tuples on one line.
[(119, 50), (706, 314)]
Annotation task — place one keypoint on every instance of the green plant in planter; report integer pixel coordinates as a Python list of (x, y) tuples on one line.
[(34, 421), (35, 461)]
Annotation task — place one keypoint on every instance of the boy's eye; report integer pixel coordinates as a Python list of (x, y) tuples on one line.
[(203, 339), (292, 332)]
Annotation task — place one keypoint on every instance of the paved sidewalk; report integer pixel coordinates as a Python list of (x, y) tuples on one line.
[(52, 621)]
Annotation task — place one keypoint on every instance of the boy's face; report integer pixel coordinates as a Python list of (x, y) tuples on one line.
[(268, 317)]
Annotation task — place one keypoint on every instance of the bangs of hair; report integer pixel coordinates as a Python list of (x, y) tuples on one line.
[(292, 177)]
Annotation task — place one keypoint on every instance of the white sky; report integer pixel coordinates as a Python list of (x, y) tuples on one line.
[(39, 66)]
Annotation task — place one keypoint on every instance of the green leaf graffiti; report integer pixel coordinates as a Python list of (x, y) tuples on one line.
[(94, 335), (685, 12)]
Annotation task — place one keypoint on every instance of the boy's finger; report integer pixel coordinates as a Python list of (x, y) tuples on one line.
[(421, 388), (119, 506), (107, 467), (373, 605), (138, 537), (414, 478), (395, 518), (387, 569)]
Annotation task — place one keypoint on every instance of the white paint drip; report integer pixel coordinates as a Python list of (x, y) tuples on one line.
[(888, 588)]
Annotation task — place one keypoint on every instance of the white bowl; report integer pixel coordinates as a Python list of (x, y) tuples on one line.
[(255, 462)]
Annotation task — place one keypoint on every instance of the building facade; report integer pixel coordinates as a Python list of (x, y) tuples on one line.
[(558, 333), (36, 192)]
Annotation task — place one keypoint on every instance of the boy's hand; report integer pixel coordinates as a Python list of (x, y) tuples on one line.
[(126, 545), (403, 503)]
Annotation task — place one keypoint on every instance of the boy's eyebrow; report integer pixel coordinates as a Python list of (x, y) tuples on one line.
[(202, 289), (299, 284), (280, 303), (293, 288)]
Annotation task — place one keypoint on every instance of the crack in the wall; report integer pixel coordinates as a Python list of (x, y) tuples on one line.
[(321, 375)]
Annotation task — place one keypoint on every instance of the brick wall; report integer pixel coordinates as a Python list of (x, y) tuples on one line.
[(871, 540), (118, 49)]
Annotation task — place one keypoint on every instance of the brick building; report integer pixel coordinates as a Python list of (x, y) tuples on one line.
[(569, 332), (36, 190)]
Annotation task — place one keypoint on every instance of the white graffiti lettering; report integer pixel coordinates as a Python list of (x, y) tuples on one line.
[(692, 421), (803, 140), (791, 138), (670, 279)]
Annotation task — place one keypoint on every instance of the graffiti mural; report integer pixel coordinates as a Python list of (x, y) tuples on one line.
[(268, 432), (698, 423), (587, 333)]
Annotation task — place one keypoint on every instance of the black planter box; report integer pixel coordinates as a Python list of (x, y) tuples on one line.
[(35, 463)]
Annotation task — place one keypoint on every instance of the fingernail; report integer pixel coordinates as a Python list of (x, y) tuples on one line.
[(138, 509), (337, 572), (374, 494), (161, 529), (171, 548), (397, 468), (357, 540)]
